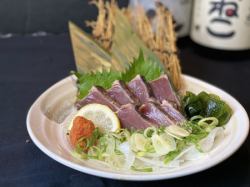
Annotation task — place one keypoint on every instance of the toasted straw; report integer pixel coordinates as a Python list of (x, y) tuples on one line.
[(162, 40)]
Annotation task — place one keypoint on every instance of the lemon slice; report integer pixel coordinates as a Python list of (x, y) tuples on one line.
[(102, 117)]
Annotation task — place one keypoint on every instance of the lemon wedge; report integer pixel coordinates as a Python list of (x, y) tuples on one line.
[(102, 117)]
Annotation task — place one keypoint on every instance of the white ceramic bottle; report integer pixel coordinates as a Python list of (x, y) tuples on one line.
[(181, 10), (221, 24)]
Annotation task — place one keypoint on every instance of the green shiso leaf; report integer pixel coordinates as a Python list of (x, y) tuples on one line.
[(86, 81), (147, 68)]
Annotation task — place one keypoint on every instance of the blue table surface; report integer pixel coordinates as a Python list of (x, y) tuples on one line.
[(29, 65)]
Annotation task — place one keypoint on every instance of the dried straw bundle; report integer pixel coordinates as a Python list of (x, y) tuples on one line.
[(162, 40), (103, 27)]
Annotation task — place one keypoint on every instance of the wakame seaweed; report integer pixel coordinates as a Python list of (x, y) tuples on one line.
[(206, 105)]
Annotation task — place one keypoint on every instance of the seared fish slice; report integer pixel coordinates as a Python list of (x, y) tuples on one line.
[(140, 89), (155, 114), (120, 93), (98, 95), (173, 113), (163, 90), (130, 118)]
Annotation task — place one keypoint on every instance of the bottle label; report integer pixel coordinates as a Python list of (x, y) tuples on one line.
[(222, 24)]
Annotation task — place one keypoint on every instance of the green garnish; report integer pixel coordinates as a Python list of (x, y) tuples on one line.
[(191, 104), (171, 155), (87, 80), (206, 105), (199, 129), (146, 169), (145, 67), (82, 155), (141, 144), (93, 139)]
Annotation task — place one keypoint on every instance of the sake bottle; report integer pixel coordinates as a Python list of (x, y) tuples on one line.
[(180, 9), (221, 24)]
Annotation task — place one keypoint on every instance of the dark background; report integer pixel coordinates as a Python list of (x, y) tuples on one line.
[(52, 16), (29, 65)]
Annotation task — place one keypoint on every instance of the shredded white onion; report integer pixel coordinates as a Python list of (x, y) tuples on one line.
[(129, 155), (207, 143)]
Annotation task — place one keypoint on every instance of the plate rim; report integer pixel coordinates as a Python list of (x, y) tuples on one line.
[(135, 177)]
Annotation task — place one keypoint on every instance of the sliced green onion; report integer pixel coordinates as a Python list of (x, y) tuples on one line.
[(170, 156), (79, 155), (196, 118), (140, 154), (173, 135), (122, 135), (146, 169), (159, 144), (138, 142), (149, 148), (118, 136), (209, 121), (95, 153), (163, 143), (176, 131), (149, 132)]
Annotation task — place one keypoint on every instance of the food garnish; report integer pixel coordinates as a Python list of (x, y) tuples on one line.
[(81, 128), (147, 68), (118, 36), (207, 105), (131, 114), (149, 133), (100, 115), (153, 147)]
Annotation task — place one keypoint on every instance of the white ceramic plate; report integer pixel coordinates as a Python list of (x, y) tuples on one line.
[(56, 104)]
